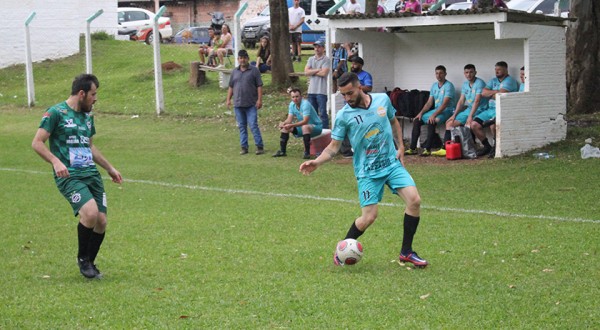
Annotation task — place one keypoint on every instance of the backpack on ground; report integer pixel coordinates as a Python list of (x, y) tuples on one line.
[(467, 143)]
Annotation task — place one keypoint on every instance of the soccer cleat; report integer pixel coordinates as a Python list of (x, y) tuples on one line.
[(86, 268), (492, 153), (425, 153), (336, 260), (279, 153), (306, 155), (485, 151), (414, 259), (349, 154), (98, 273), (439, 153), (244, 151), (260, 151), (410, 152)]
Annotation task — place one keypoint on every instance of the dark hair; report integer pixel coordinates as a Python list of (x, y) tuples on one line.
[(295, 90), (84, 82), (440, 67), (211, 28), (502, 64), (217, 32), (470, 66), (347, 78), (522, 68)]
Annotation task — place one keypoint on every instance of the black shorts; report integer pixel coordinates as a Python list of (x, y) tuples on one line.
[(296, 36)]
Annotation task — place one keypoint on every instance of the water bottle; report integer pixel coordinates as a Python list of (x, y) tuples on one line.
[(543, 155)]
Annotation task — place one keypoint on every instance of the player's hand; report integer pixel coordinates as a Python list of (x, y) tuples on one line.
[(308, 167), (431, 120), (419, 116), (115, 175), (61, 170)]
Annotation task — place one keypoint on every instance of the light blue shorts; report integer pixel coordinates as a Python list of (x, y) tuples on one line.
[(442, 116), (316, 131), (370, 190), (487, 114)]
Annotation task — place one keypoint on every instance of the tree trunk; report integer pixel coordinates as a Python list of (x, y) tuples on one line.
[(583, 58), (280, 44)]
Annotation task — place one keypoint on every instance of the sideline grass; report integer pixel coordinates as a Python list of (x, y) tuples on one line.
[(186, 258)]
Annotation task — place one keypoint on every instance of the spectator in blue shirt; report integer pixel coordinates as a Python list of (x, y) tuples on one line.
[(364, 78)]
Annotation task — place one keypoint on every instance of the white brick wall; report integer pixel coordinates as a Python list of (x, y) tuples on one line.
[(54, 31)]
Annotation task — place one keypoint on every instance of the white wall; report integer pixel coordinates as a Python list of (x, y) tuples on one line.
[(54, 31)]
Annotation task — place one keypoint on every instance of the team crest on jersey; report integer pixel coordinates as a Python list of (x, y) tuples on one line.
[(381, 111), (46, 115), (75, 198), (89, 124)]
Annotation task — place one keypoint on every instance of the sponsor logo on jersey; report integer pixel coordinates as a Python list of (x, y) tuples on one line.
[(89, 124), (84, 140), (46, 115), (72, 139), (69, 123), (75, 198), (381, 111), (372, 133)]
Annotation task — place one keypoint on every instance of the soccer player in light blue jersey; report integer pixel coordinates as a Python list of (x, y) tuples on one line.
[(502, 83), (369, 121), (443, 100), (469, 104), (302, 121)]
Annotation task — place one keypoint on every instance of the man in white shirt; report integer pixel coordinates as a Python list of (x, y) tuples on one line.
[(353, 7), (296, 17)]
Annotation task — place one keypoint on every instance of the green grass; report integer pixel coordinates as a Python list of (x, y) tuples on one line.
[(200, 237)]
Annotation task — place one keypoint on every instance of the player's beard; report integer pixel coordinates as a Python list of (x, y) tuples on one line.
[(354, 103), (86, 108)]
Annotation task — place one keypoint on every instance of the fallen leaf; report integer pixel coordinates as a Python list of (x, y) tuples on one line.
[(183, 255), (444, 251), (535, 251), (558, 302), (183, 317), (46, 276), (425, 296), (408, 268), (511, 286), (547, 270)]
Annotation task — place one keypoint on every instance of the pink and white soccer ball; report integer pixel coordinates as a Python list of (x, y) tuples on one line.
[(349, 251)]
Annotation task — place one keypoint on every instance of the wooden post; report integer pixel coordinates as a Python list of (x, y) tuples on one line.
[(197, 76)]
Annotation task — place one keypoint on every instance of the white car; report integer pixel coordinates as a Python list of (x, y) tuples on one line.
[(142, 19), (546, 7)]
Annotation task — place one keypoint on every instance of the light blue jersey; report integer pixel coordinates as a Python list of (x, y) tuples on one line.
[(371, 136), (470, 92), (439, 93), (508, 83), (522, 87), (306, 109)]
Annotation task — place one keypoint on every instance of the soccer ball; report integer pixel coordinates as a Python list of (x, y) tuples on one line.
[(349, 251)]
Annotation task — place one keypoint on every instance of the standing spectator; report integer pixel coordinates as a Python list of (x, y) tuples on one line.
[(413, 6), (339, 63), (69, 127), (302, 121), (296, 17), (245, 86), (369, 120), (442, 98), (226, 47), (352, 7), (317, 69), (502, 83), (522, 77), (263, 55), (470, 104), (365, 78), (204, 50)]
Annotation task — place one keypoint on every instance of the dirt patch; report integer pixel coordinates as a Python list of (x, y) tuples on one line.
[(171, 66)]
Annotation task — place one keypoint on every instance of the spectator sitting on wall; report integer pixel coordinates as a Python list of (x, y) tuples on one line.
[(427, 4), (400, 6), (227, 47), (217, 42), (263, 55), (353, 7), (413, 6), (204, 50)]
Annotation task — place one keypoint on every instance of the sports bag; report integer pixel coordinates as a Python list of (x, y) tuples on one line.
[(467, 143)]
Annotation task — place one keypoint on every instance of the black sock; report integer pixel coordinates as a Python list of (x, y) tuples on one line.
[(306, 138), (283, 140), (486, 143), (94, 246), (354, 232), (410, 228), (430, 133), (416, 132), (447, 137), (83, 235)]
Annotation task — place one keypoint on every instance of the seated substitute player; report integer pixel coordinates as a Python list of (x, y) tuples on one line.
[(69, 128), (502, 83), (307, 124), (470, 103), (369, 120), (442, 97)]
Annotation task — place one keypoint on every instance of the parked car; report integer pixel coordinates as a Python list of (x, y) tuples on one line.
[(192, 35), (256, 27), (143, 20), (546, 7)]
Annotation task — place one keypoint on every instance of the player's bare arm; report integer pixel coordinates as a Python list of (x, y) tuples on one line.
[(39, 145)]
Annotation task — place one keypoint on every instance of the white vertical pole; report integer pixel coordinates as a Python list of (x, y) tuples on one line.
[(28, 64), (88, 41), (158, 86), (237, 31)]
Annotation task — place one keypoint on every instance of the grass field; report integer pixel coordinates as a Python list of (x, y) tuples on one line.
[(200, 237)]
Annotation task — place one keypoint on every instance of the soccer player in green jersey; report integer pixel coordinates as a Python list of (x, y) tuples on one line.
[(69, 128), (369, 121)]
